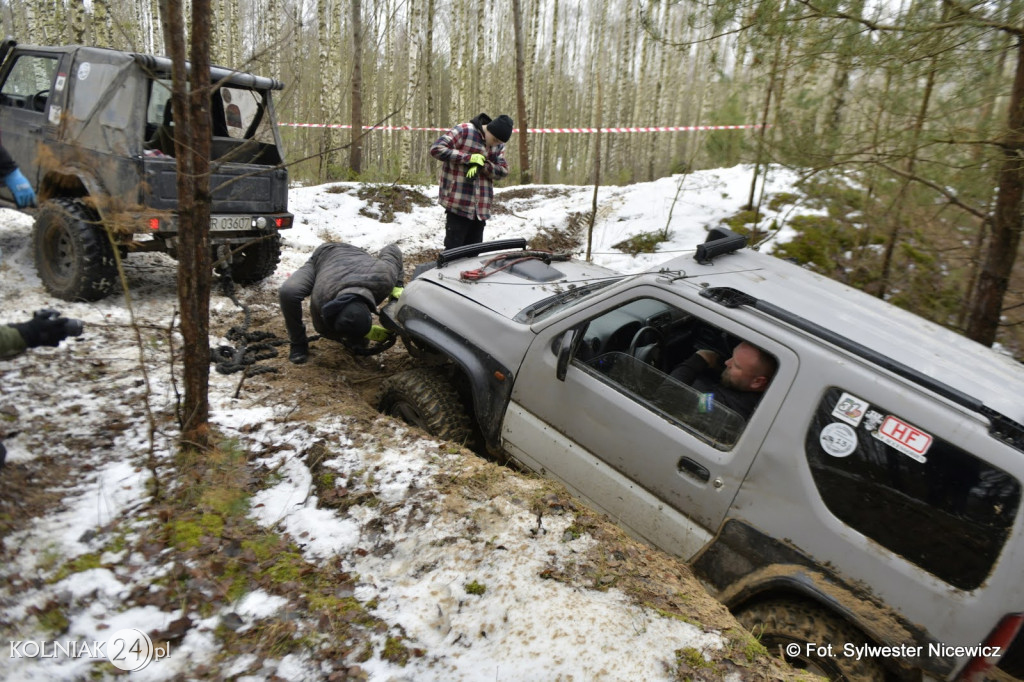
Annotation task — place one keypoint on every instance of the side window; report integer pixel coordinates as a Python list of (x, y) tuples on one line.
[(646, 350), (159, 97), (28, 84), (918, 495), (93, 83)]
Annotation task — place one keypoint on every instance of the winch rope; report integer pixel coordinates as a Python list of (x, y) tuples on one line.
[(250, 346)]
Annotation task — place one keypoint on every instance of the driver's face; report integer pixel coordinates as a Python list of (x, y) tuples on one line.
[(743, 370)]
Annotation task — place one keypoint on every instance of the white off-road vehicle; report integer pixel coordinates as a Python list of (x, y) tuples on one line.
[(864, 521)]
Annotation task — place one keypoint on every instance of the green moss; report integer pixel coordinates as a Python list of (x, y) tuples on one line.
[(738, 222), (475, 588), (366, 654), (289, 567), (187, 534), (53, 620), (395, 651), (646, 242), (264, 546), (777, 201), (692, 658), (85, 562)]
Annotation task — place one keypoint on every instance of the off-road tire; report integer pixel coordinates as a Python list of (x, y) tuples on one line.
[(73, 255), (779, 623), (256, 261), (426, 398)]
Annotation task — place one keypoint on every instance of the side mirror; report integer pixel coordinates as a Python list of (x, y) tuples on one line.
[(565, 350)]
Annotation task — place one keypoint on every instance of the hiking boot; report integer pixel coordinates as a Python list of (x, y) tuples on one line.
[(298, 353)]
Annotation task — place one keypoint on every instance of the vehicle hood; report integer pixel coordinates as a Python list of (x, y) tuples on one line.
[(508, 291)]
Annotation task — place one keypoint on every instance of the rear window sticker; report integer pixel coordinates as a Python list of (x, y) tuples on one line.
[(54, 114), (850, 409), (901, 436), (873, 419), (58, 85), (83, 70), (838, 439)]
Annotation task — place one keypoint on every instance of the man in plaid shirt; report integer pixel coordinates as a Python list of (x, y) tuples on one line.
[(472, 156)]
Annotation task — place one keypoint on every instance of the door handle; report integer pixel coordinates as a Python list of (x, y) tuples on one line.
[(694, 470)]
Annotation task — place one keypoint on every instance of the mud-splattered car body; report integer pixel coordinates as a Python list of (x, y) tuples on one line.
[(865, 518)]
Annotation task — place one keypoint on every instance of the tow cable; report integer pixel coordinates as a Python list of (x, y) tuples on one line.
[(511, 259), (250, 346)]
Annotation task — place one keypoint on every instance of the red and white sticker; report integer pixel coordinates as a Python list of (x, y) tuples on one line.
[(908, 439)]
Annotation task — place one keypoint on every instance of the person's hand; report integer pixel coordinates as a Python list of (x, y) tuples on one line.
[(397, 291), (710, 357), (21, 189), (42, 331), (476, 162), (378, 333)]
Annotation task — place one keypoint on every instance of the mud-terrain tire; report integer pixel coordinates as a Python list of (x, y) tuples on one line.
[(427, 399), (256, 261), (780, 623), (73, 255)]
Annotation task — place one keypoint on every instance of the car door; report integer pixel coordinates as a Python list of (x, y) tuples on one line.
[(598, 425), (25, 111)]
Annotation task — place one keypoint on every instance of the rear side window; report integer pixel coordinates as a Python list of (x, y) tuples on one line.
[(919, 496)]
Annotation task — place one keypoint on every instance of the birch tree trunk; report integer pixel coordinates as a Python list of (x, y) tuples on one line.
[(525, 176), (355, 153)]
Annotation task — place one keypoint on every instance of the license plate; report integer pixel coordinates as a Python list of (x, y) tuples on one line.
[(230, 222)]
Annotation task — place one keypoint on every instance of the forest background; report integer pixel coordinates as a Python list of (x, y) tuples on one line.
[(905, 118)]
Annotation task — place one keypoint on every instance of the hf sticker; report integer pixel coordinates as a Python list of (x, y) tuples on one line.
[(901, 436)]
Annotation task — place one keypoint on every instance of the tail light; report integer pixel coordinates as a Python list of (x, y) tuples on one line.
[(1008, 638)]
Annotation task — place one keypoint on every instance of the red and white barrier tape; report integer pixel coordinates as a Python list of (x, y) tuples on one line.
[(648, 129)]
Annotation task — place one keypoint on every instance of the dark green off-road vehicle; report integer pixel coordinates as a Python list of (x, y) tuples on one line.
[(91, 129)]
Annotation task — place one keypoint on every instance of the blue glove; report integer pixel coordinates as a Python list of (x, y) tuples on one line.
[(22, 191)]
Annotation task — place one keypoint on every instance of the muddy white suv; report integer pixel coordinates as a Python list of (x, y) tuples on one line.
[(864, 520)]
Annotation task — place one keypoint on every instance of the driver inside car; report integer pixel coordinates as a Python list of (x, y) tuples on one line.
[(738, 382)]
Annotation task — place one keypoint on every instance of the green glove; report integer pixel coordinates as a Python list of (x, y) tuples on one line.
[(397, 291), (378, 333), (476, 162)]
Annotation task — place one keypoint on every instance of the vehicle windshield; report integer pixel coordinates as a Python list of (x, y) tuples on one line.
[(562, 300)]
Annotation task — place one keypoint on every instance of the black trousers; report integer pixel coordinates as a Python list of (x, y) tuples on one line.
[(460, 230)]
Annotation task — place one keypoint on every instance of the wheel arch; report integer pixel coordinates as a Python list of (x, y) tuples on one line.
[(70, 182), (744, 567), (489, 380)]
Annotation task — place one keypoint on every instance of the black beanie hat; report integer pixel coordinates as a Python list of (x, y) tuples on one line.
[(348, 315), (501, 127)]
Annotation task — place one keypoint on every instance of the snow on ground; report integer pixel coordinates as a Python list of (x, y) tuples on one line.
[(81, 403)]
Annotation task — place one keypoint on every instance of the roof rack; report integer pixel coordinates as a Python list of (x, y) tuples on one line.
[(470, 250), (1001, 427)]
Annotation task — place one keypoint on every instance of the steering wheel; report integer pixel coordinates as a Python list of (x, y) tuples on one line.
[(39, 99), (642, 352)]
